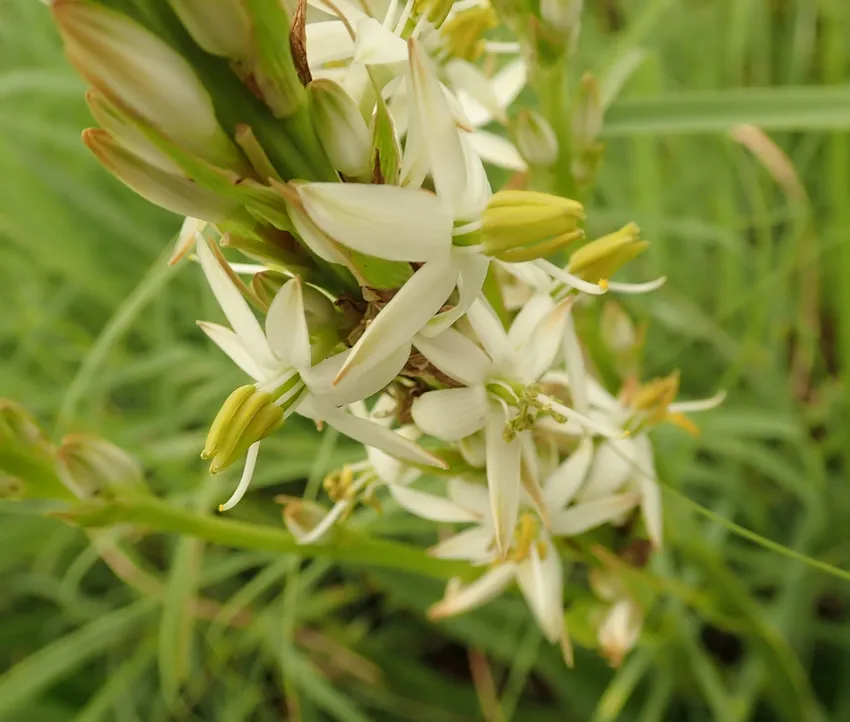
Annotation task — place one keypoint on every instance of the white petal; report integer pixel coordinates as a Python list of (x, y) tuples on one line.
[(325, 525), (399, 224), (507, 84), (349, 9), (369, 433), (497, 150), (561, 486), (286, 326), (489, 330), (590, 514), (613, 464), (231, 344), (503, 466), (465, 76), (456, 355), (688, 407), (327, 42), (620, 630), (532, 313), (315, 239), (637, 288), (542, 584), (474, 545), (402, 318), (430, 506), (481, 591), (473, 450), (650, 492), (363, 382), (473, 270), (575, 367), (438, 127), (543, 345), (390, 470), (234, 306), (451, 414), (376, 45), (469, 495), (245, 480)]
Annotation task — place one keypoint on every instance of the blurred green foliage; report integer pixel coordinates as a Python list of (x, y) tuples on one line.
[(97, 335)]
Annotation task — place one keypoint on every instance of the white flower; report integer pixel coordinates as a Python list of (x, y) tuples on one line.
[(280, 362), (498, 395)]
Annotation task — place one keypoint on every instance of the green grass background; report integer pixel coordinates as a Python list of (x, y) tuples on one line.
[(97, 334)]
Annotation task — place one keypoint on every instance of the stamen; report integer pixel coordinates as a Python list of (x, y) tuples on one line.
[(585, 421), (568, 278), (466, 228), (405, 16), (244, 482), (391, 11), (646, 287), (498, 47)]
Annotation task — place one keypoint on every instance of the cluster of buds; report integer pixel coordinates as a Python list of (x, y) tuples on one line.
[(346, 161)]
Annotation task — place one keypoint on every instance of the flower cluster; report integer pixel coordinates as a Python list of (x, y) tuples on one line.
[(347, 162)]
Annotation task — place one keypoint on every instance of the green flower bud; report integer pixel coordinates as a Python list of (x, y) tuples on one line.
[(172, 191), (535, 139), (340, 127), (463, 34), (221, 27), (524, 225), (90, 466), (600, 259), (562, 15), (141, 74), (587, 113)]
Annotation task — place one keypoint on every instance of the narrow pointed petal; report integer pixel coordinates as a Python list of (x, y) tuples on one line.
[(451, 414), (369, 433), (456, 355), (503, 467), (366, 381), (398, 224), (230, 343), (477, 594), (613, 465), (474, 545), (473, 450), (286, 326), (465, 76), (578, 519), (574, 361), (530, 476), (245, 480), (561, 486), (507, 85), (689, 407), (430, 506), (438, 127), (499, 151), (472, 272), (489, 330), (377, 45), (328, 42), (469, 495), (402, 318), (234, 306), (544, 343), (531, 314), (650, 492), (541, 582)]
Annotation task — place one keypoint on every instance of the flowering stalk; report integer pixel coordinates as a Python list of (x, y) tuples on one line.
[(405, 302)]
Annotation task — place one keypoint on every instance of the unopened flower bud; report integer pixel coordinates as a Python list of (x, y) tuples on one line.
[(302, 518), (600, 259), (18, 427), (587, 113), (171, 191), (619, 631), (140, 73), (524, 225), (435, 10), (89, 466), (535, 139), (562, 15), (341, 129), (221, 27), (463, 33)]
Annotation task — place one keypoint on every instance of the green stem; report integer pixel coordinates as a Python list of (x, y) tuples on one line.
[(343, 546), (550, 84)]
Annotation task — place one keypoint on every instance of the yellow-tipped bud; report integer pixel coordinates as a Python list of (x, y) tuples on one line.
[(247, 416), (143, 75), (602, 258), (535, 139), (435, 10), (221, 27), (523, 225), (463, 34), (341, 129)]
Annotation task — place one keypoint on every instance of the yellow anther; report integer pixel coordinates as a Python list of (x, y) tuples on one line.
[(524, 536), (602, 258)]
